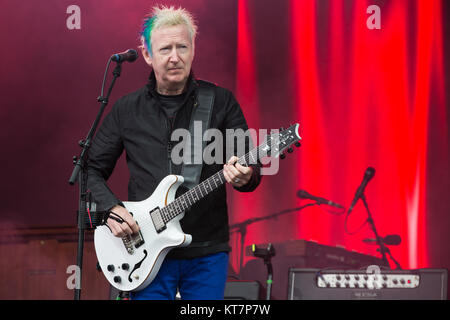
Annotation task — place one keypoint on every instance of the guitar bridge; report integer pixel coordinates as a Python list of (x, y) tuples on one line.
[(128, 243), (158, 220), (133, 241)]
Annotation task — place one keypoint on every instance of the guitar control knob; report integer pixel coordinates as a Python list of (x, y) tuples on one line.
[(117, 279), (282, 156), (110, 268), (125, 266)]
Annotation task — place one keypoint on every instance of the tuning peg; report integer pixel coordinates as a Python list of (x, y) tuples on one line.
[(74, 159), (297, 144), (282, 156), (290, 150)]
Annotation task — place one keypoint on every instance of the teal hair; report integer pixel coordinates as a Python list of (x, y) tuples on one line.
[(146, 32)]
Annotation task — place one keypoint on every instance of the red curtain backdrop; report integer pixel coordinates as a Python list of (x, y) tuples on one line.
[(363, 98)]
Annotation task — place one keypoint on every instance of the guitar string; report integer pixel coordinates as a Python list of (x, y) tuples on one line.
[(175, 208)]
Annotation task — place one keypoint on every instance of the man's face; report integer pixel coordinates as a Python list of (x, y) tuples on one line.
[(172, 56)]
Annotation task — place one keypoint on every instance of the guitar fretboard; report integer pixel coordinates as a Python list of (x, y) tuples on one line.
[(186, 200)]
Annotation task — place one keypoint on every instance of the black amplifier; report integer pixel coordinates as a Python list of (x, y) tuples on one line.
[(301, 254), (372, 283)]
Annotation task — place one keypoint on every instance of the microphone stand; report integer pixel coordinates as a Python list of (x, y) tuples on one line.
[(383, 249), (80, 173), (266, 255)]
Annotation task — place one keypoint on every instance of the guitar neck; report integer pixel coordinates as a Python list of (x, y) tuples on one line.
[(189, 198), (278, 143)]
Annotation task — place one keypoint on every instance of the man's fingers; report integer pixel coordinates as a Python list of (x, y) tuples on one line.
[(135, 227), (115, 228), (232, 160), (234, 172), (126, 228), (121, 229), (132, 224), (226, 174), (233, 176), (242, 169)]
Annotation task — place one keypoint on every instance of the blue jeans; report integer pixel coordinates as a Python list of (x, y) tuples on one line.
[(201, 278)]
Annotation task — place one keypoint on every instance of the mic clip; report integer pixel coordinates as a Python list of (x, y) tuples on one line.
[(264, 253)]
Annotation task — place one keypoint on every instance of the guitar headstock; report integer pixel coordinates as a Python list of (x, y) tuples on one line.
[(283, 140)]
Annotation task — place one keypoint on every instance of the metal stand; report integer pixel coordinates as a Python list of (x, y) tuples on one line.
[(80, 174), (383, 249), (266, 255)]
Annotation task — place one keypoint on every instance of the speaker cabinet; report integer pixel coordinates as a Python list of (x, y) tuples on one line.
[(317, 284)]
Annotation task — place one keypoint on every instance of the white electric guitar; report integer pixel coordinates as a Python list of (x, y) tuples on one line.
[(131, 263)]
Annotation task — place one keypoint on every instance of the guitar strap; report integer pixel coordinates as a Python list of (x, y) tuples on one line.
[(201, 112)]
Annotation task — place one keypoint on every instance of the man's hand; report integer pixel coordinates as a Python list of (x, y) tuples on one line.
[(128, 227), (236, 174)]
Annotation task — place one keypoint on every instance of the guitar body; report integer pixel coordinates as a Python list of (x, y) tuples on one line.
[(131, 263)]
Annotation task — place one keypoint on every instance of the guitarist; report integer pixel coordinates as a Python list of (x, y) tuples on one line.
[(142, 123)]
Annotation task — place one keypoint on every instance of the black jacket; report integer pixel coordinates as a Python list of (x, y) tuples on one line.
[(138, 124)]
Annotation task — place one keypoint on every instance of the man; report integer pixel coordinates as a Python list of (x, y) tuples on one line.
[(142, 123)]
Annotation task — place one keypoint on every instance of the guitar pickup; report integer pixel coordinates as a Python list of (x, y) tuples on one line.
[(158, 220)]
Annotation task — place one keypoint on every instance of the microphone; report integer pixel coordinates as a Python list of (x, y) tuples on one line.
[(130, 55), (368, 175), (390, 240), (305, 195)]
